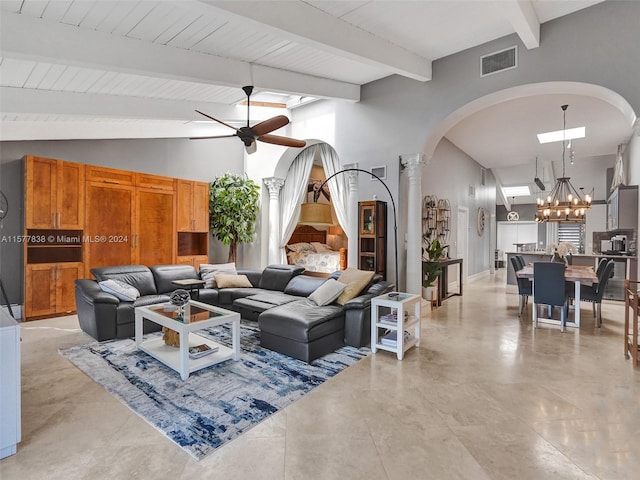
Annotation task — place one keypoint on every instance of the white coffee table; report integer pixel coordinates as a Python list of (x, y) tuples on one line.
[(197, 317)]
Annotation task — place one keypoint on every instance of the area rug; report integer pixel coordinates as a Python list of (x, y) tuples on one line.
[(215, 404)]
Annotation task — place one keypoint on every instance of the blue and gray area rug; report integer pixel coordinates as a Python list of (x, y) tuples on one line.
[(215, 404)]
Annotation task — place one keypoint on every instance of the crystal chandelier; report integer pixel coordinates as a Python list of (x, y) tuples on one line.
[(564, 203)]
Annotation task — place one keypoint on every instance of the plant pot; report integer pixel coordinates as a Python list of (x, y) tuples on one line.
[(430, 293)]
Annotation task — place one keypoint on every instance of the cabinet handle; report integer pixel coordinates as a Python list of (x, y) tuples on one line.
[(115, 182), (53, 220), (58, 223)]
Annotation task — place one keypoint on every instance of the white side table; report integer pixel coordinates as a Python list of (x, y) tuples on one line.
[(406, 309)]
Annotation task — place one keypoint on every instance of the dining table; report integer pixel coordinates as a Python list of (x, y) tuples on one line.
[(578, 274)]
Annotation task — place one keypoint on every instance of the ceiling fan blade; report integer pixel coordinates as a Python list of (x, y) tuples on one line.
[(215, 136), (251, 148), (284, 141), (270, 125), (216, 120)]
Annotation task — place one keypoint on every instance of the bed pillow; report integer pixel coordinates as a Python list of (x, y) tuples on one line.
[(208, 272), (355, 281), (300, 247), (327, 292), (120, 289), (321, 247), (226, 280)]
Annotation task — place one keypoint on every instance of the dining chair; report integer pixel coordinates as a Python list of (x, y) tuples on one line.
[(524, 286), (521, 261), (601, 264), (569, 258), (593, 293), (549, 289)]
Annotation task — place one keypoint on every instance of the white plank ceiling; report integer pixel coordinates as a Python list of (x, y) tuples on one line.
[(140, 68)]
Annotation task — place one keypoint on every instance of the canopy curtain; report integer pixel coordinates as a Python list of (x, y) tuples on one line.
[(338, 185), (292, 195)]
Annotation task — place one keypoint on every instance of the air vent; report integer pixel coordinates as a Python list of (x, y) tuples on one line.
[(495, 62), (380, 172)]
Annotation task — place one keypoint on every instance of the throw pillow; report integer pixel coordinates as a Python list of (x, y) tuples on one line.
[(355, 281), (208, 272), (225, 280), (321, 247), (120, 289), (300, 247), (327, 292)]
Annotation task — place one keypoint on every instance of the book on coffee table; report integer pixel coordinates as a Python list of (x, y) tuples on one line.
[(201, 350)]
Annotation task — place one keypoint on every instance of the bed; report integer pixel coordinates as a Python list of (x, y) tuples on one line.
[(308, 248)]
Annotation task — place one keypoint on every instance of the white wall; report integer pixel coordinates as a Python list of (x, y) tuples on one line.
[(395, 116)]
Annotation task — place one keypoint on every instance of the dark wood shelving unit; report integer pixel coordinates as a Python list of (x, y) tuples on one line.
[(372, 236)]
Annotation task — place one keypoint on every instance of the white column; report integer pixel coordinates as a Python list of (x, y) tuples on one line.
[(352, 212), (274, 185), (413, 167)]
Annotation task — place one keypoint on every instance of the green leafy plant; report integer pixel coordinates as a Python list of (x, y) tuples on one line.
[(234, 203), (431, 269)]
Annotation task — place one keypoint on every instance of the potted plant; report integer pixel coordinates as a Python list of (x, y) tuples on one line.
[(234, 203), (431, 268)]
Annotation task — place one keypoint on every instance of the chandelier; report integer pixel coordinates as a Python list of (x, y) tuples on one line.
[(564, 203)]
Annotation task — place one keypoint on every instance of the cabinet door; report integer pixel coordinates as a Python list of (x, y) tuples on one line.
[(41, 185), (200, 207), (111, 219), (155, 239), (367, 219), (184, 191), (40, 291), (70, 196), (155, 182), (66, 274)]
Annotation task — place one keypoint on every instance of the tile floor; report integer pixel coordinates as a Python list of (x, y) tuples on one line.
[(483, 397)]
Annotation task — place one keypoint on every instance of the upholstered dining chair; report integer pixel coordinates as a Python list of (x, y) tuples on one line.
[(549, 289), (569, 258), (593, 293), (521, 261), (524, 286)]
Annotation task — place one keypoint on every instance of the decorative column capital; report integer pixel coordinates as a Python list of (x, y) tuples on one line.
[(413, 163), (274, 184)]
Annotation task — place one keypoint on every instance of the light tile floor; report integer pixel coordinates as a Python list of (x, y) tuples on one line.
[(484, 397)]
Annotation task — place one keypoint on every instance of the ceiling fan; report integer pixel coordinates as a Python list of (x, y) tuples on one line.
[(260, 131)]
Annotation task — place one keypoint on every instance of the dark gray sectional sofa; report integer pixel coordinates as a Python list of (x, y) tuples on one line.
[(289, 323)]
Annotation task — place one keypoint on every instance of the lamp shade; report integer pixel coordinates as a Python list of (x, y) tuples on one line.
[(315, 214), (336, 230)]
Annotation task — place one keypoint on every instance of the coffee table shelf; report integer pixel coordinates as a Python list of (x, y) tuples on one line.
[(198, 316)]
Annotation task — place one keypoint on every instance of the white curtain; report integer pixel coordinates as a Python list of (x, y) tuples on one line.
[(292, 194), (338, 185)]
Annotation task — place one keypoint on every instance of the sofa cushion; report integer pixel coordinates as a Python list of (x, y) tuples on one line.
[(355, 280), (276, 277), (119, 289), (165, 274), (226, 280), (327, 292), (302, 320), (138, 276), (251, 307), (208, 272), (303, 285)]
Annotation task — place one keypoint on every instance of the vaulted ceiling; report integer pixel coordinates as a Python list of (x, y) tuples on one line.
[(136, 69)]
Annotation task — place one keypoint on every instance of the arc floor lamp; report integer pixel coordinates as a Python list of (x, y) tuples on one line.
[(319, 206)]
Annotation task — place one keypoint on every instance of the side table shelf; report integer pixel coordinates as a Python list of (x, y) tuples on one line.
[(405, 330)]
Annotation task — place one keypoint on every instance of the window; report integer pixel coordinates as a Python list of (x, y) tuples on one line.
[(573, 233)]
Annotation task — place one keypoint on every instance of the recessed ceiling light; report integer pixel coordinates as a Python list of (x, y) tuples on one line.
[(518, 191), (560, 135)]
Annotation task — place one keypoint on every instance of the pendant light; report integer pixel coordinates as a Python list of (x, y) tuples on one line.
[(564, 203)]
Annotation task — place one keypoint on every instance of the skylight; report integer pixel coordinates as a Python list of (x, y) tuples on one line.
[(560, 135), (518, 191)]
